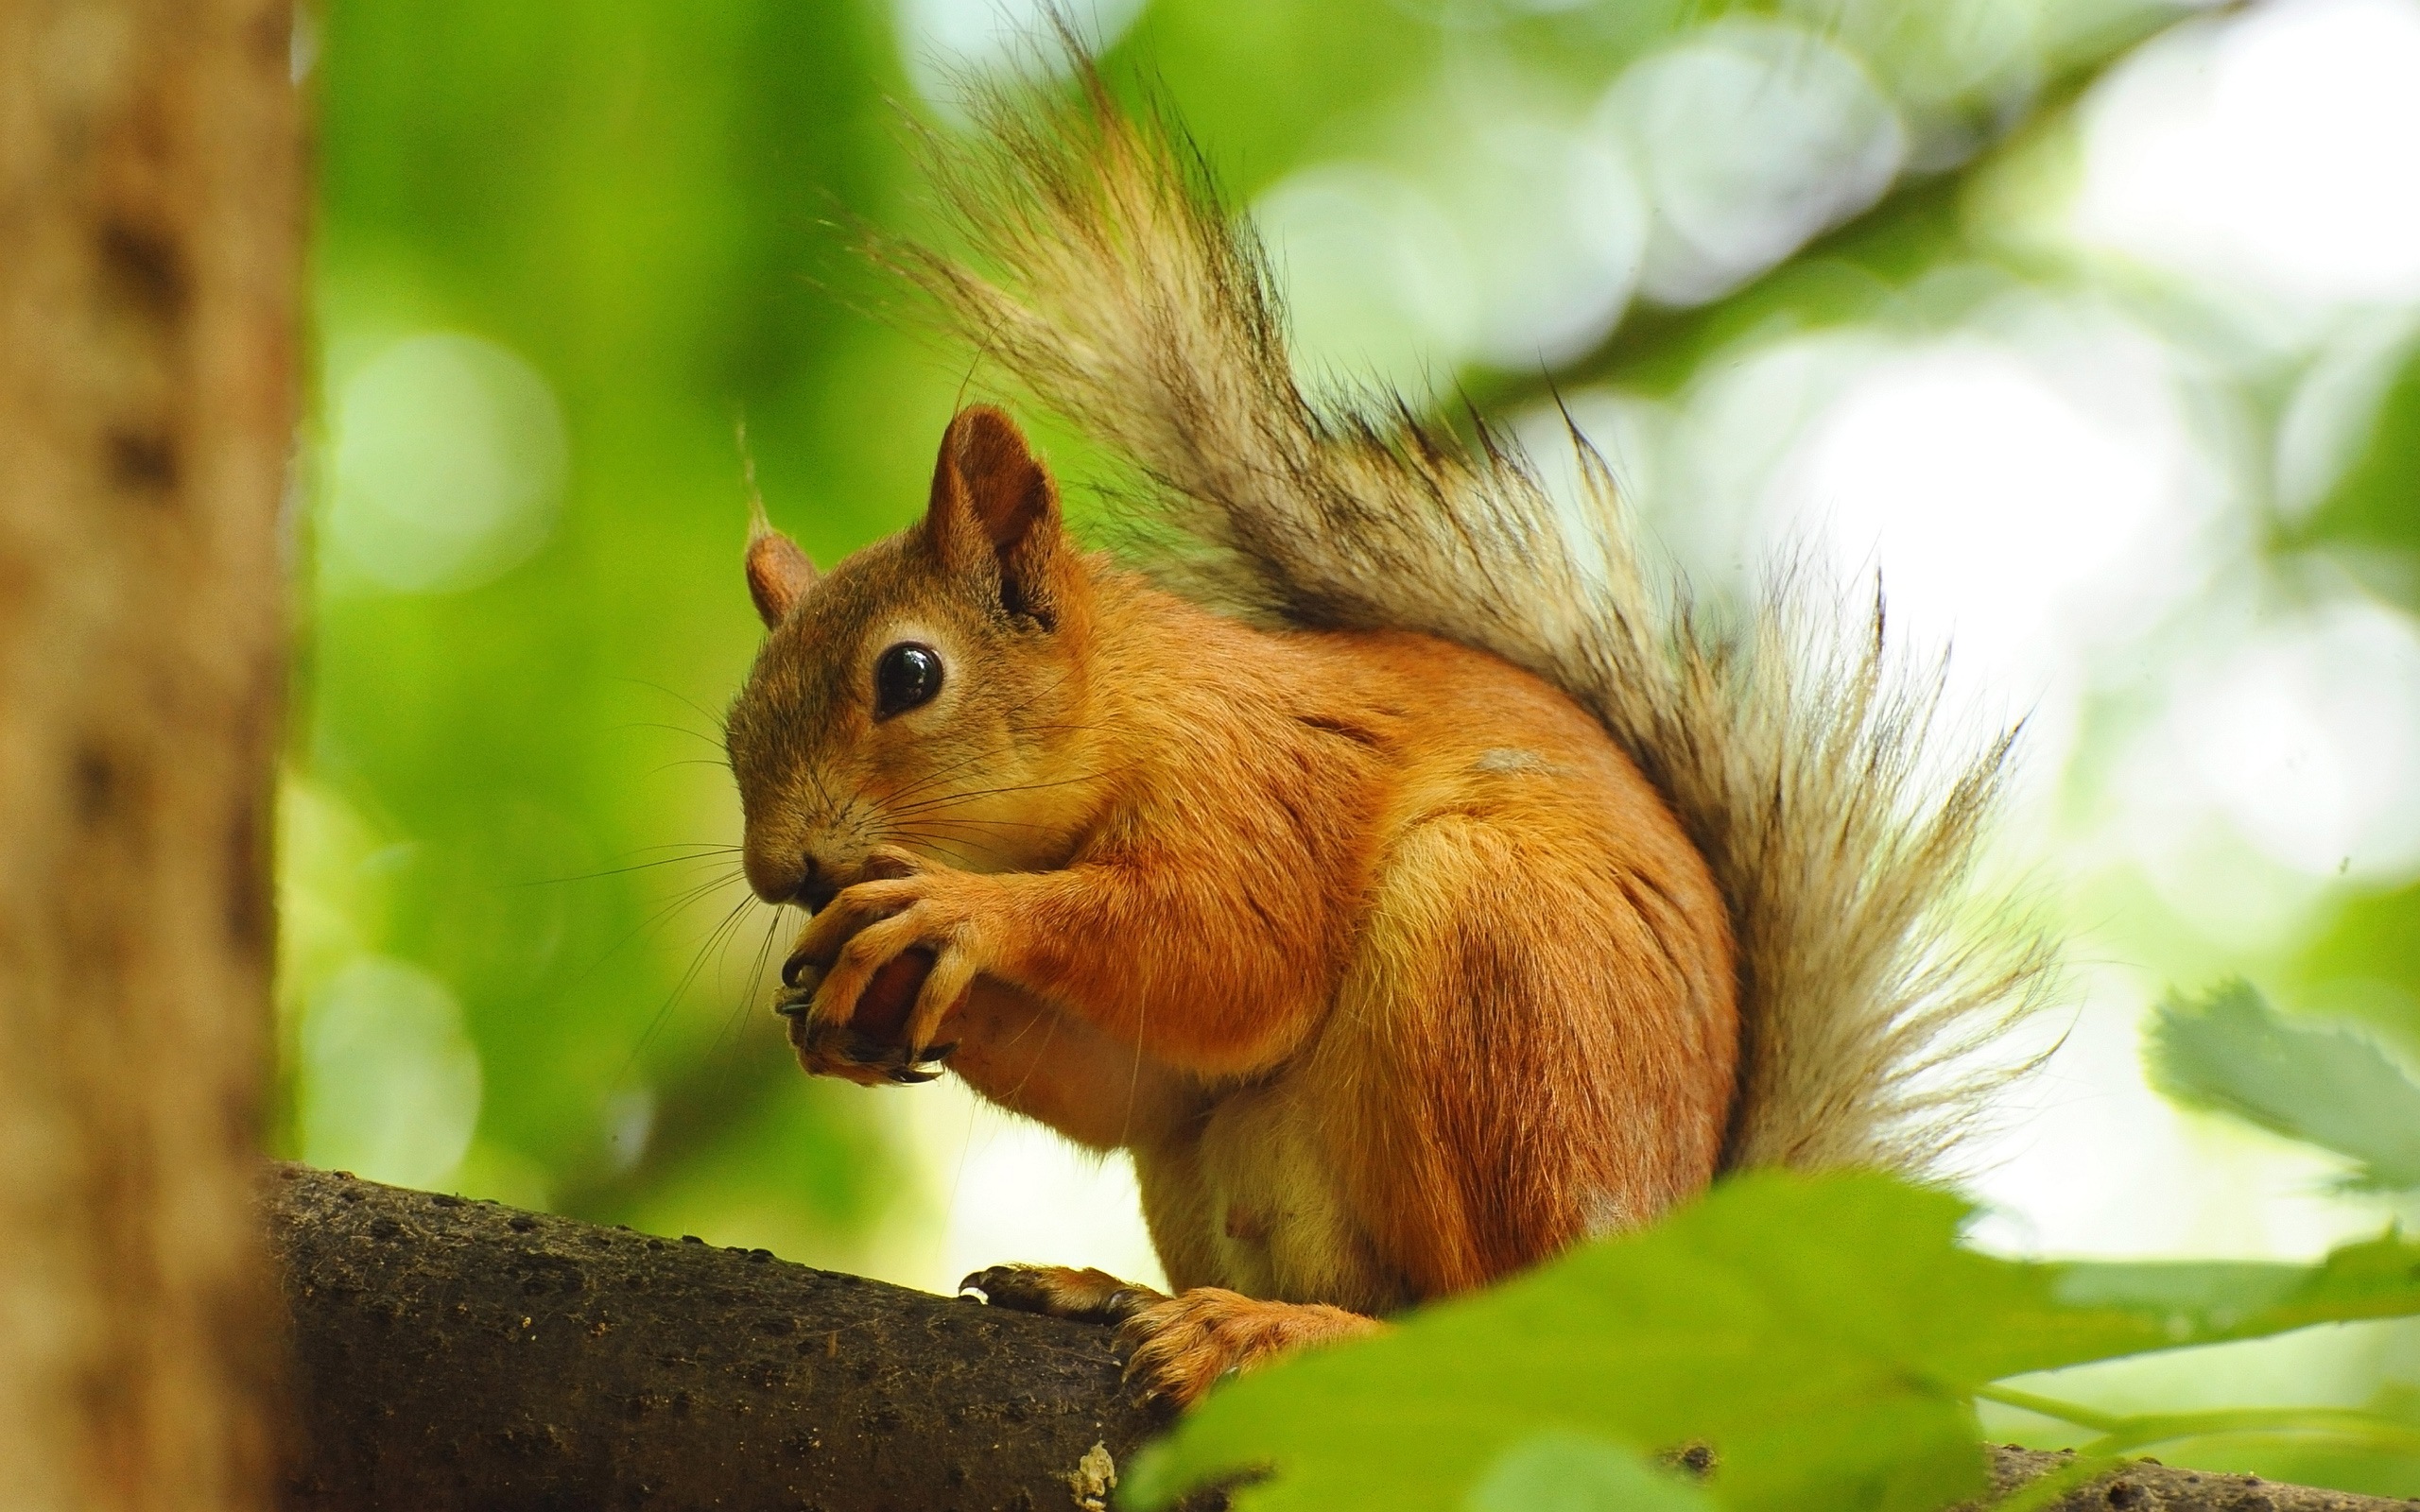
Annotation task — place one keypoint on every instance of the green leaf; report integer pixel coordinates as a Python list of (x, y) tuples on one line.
[(1824, 1334), (2375, 503), (2231, 1053), (1558, 1470)]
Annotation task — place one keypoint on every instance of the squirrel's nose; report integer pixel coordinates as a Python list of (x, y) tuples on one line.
[(816, 885)]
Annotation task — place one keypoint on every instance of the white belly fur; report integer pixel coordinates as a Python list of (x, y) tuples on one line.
[(1248, 1202)]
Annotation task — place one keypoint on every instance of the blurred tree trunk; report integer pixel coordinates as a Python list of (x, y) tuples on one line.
[(150, 235)]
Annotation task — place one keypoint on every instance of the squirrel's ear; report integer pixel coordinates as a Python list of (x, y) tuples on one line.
[(995, 510), (779, 573)]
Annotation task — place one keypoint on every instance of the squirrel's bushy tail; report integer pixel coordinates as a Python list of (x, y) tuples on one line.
[(1796, 749)]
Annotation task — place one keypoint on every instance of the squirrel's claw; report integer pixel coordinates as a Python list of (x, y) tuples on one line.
[(847, 969), (924, 1068), (894, 1060), (827, 1048)]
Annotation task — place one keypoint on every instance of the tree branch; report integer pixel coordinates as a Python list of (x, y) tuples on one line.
[(454, 1355)]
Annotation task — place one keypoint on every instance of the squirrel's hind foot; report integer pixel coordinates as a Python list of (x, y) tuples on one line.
[(1177, 1347), (1180, 1347)]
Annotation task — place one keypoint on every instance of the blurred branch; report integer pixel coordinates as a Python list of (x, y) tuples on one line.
[(1906, 230), (461, 1355)]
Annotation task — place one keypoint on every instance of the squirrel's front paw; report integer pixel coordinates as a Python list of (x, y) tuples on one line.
[(870, 1048), (865, 940), (842, 1050), (1182, 1346)]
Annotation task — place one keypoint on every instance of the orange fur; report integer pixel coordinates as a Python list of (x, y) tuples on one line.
[(1387, 964)]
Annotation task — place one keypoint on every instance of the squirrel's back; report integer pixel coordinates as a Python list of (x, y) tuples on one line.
[(1796, 749)]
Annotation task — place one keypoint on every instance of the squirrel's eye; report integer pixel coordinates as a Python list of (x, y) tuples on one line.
[(907, 675)]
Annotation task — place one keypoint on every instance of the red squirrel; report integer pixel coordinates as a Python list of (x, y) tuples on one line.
[(1418, 891)]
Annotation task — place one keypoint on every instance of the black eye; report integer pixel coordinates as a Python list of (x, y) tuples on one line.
[(907, 675)]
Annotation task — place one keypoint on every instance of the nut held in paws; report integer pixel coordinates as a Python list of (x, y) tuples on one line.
[(883, 1007)]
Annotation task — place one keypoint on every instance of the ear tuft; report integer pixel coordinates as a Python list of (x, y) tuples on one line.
[(779, 573), (1006, 486), (995, 510)]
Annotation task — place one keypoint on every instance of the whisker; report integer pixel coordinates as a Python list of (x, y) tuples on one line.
[(929, 779), (987, 824), (723, 762), (680, 903), (958, 844), (941, 844), (822, 792), (995, 792), (699, 710), (1049, 1034), (680, 989), (734, 1024), (678, 729), (1134, 1078), (686, 896), (962, 763), (623, 871)]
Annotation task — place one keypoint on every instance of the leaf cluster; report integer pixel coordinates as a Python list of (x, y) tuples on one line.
[(1827, 1338)]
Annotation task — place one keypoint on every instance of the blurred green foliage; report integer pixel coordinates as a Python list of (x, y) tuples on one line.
[(634, 200), (1828, 1336), (2370, 520)]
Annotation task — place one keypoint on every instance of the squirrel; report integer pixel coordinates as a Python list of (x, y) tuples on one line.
[(1413, 882)]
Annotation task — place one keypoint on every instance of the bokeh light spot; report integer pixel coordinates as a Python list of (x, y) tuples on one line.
[(2007, 518), (390, 1084), (2278, 152), (450, 460), (1754, 136), (942, 43), (2304, 740), (1377, 280)]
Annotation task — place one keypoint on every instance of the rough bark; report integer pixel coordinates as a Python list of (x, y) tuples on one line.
[(456, 1355), (459, 1355), (149, 233)]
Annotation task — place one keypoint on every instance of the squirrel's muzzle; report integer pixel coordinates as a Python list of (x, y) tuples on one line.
[(816, 887)]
